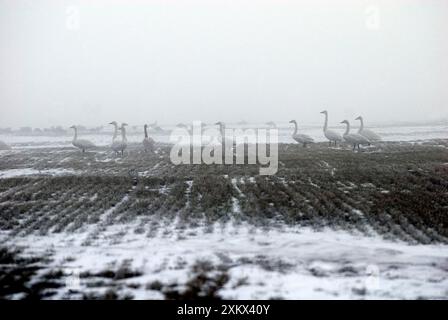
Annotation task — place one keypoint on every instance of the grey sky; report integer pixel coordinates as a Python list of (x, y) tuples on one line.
[(141, 61)]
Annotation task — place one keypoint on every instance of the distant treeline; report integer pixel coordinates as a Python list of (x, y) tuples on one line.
[(57, 130)]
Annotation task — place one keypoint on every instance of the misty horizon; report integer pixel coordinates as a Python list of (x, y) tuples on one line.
[(75, 62)]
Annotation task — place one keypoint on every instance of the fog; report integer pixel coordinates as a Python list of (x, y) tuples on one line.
[(91, 62)]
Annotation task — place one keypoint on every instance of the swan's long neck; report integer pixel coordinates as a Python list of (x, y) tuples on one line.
[(295, 129), (222, 129), (76, 134), (326, 122), (347, 129), (123, 134), (115, 132), (362, 125), (146, 132)]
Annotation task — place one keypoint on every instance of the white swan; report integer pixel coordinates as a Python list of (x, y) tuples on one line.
[(222, 138), (271, 124), (300, 138), (148, 142), (81, 143), (116, 145), (189, 128), (124, 141), (369, 134), (330, 134), (4, 146), (353, 138)]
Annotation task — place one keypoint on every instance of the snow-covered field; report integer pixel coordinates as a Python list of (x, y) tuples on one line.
[(285, 262), (331, 224)]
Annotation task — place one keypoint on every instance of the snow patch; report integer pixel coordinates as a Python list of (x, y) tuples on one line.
[(11, 173)]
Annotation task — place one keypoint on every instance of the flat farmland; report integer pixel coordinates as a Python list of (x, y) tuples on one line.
[(330, 223)]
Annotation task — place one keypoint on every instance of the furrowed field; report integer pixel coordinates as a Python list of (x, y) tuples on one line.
[(330, 224)]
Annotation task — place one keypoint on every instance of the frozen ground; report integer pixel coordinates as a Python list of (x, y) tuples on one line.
[(330, 224), (283, 262), (279, 263)]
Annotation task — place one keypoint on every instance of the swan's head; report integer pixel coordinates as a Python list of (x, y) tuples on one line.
[(73, 127), (114, 123), (345, 121), (359, 118), (324, 112), (293, 121), (145, 126), (219, 123)]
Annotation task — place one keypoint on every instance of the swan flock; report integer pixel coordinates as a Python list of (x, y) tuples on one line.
[(119, 143)]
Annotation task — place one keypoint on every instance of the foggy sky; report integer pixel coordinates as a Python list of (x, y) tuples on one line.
[(91, 62)]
